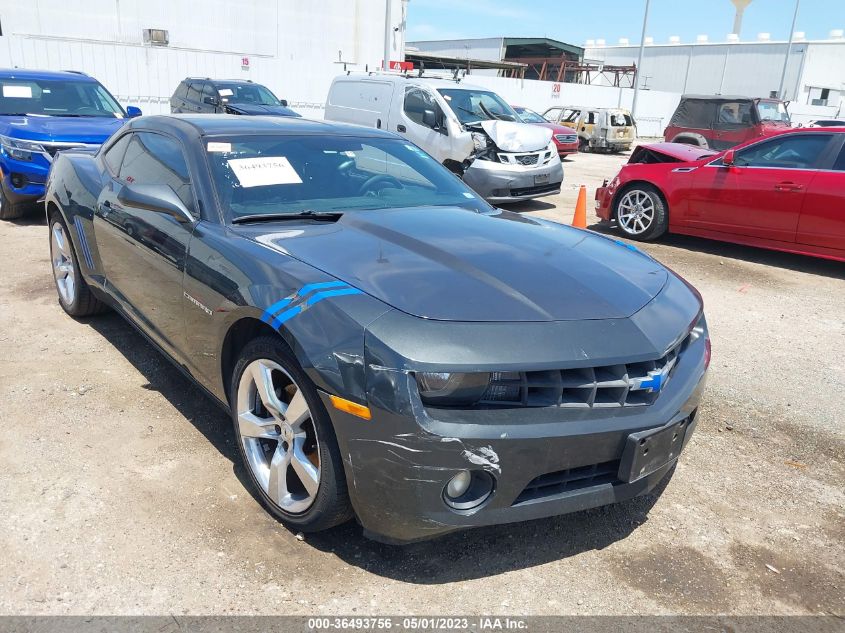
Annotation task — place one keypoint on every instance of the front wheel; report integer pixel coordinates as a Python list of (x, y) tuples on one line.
[(9, 210), (75, 295), (286, 439), (641, 213)]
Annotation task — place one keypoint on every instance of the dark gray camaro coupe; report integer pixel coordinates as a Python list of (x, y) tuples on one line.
[(390, 346)]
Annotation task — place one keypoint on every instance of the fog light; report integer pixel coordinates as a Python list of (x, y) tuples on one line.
[(468, 489), (459, 484), (18, 181)]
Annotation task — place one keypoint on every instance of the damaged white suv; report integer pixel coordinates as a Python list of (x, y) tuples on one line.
[(471, 130)]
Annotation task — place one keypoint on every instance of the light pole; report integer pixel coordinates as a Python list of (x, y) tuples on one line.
[(788, 50), (388, 35), (639, 63)]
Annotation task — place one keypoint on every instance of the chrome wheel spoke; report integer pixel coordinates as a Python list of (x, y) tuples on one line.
[(277, 487), (62, 261), (262, 374), (250, 425), (308, 474), (296, 412)]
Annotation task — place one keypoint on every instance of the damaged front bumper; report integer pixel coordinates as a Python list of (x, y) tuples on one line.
[(500, 183), (543, 461)]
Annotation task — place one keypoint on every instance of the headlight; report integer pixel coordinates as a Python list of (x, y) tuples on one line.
[(551, 147), (18, 149), (451, 389), (479, 140)]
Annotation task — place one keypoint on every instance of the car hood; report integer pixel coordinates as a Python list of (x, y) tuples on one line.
[(510, 136), (454, 264), (254, 109), (681, 151), (58, 129)]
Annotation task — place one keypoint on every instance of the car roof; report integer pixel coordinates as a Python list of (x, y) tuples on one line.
[(720, 98), (437, 82), (233, 124), (23, 73)]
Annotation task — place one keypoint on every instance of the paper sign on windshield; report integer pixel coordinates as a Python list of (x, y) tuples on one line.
[(264, 171), (225, 92), (17, 92)]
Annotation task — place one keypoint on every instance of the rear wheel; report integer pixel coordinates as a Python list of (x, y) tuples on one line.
[(641, 213), (286, 439), (10, 211), (75, 295)]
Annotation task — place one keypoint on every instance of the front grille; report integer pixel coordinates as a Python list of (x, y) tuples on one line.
[(569, 480), (607, 386), (534, 191), (528, 159), (566, 138)]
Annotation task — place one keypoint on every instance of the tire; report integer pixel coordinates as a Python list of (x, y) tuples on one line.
[(583, 145), (285, 454), (641, 213), (74, 294), (9, 210)]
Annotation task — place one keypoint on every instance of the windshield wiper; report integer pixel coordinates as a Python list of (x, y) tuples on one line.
[(487, 111), (327, 216)]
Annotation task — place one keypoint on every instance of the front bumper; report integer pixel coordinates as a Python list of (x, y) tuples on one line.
[(565, 149), (23, 181), (498, 183), (604, 202), (398, 464)]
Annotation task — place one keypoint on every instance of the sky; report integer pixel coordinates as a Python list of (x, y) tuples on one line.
[(576, 22)]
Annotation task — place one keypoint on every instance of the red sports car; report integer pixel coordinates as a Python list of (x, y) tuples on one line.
[(565, 138), (785, 192)]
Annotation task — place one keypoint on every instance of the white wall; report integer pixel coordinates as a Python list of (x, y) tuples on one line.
[(654, 108), (292, 45)]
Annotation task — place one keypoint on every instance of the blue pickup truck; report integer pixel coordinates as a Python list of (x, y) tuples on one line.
[(41, 113)]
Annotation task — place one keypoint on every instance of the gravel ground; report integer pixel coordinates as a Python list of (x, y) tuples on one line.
[(121, 492)]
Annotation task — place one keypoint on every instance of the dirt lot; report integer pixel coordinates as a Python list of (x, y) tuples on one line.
[(121, 493)]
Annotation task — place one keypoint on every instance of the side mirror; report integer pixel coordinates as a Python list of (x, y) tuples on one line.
[(158, 198), (210, 101), (284, 102), (729, 159), (429, 119), (132, 112)]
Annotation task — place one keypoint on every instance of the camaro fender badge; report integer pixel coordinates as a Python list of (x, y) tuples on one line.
[(197, 303), (304, 298)]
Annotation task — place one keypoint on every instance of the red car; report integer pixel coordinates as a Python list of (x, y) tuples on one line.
[(784, 192), (565, 138)]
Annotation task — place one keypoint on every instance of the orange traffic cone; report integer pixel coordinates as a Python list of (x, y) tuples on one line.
[(580, 219)]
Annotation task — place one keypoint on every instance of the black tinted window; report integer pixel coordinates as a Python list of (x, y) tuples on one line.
[(115, 154), (182, 91), (194, 92), (788, 151), (209, 91), (154, 159), (839, 165)]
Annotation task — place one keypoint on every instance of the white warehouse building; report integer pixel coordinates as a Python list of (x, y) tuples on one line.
[(815, 73), (141, 49)]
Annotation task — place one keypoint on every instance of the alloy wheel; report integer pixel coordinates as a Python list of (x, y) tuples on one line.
[(278, 435), (635, 213), (62, 260)]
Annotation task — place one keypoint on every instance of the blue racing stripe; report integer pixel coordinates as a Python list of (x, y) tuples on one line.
[(331, 293), (268, 314), (277, 321)]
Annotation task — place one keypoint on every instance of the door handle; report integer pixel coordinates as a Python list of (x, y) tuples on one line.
[(788, 187), (401, 128)]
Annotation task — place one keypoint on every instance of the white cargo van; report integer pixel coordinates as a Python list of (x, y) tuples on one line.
[(471, 130)]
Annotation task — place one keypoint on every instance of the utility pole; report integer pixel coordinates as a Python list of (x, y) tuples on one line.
[(788, 50), (640, 63), (388, 35)]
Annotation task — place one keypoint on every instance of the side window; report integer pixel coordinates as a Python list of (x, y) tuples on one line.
[(182, 90), (552, 114), (788, 151), (417, 101), (839, 165), (591, 117), (194, 92), (735, 114), (154, 159), (115, 153), (570, 116)]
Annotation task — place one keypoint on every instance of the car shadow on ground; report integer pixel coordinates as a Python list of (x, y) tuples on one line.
[(464, 555), (33, 218), (527, 205), (750, 254)]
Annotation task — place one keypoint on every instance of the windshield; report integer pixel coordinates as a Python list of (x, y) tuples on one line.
[(270, 175), (471, 106), (62, 97), (529, 116), (772, 111), (254, 94)]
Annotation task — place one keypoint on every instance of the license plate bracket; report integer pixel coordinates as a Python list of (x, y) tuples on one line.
[(541, 179), (650, 450)]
